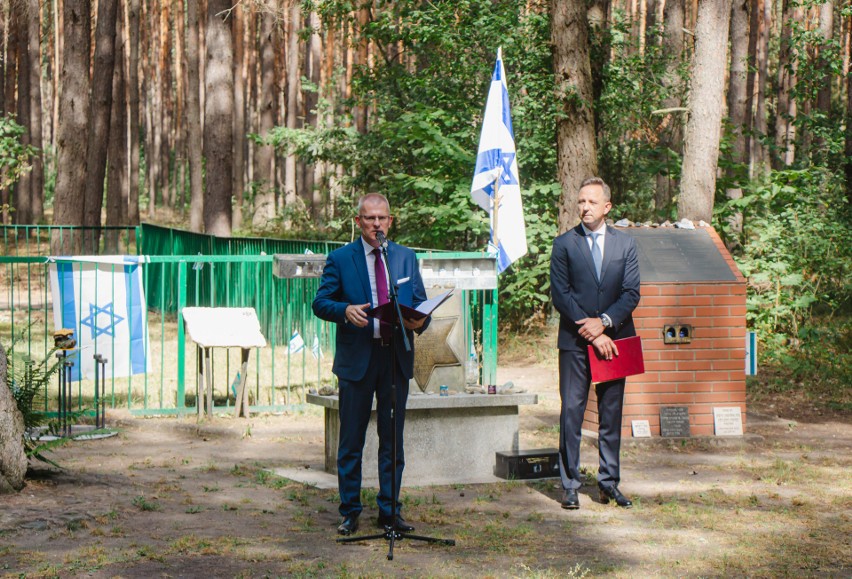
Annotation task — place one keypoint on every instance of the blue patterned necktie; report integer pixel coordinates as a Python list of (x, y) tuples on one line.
[(597, 257)]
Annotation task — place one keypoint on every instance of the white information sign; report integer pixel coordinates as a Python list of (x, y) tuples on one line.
[(224, 327), (728, 421), (641, 429)]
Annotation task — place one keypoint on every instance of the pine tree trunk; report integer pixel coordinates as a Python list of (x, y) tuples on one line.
[(785, 114), (117, 158), (264, 155), (736, 107), (219, 120), (36, 138), (22, 201), (10, 63), (193, 120), (848, 148), (291, 198), (74, 110), (239, 115), (701, 145), (132, 22), (575, 129), (99, 129), (760, 151), (671, 138)]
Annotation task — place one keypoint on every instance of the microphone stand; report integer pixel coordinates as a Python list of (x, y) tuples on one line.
[(391, 532)]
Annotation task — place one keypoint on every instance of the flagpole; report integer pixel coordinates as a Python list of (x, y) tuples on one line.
[(495, 210)]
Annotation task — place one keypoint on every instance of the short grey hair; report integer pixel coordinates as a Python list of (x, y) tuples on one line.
[(598, 181), (371, 197)]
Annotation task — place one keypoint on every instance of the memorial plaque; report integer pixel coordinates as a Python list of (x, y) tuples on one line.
[(641, 429), (679, 255), (674, 421), (728, 421)]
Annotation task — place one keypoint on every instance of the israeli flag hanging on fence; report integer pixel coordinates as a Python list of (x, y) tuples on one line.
[(101, 299), (496, 187)]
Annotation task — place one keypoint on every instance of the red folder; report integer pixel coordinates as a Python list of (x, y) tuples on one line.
[(629, 361)]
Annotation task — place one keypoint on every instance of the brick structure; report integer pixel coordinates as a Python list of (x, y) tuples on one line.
[(706, 373)]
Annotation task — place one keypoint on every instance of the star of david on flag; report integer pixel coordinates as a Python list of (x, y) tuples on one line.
[(496, 187), (101, 300)]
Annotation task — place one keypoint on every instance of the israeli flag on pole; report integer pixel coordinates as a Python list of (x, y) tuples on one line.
[(101, 299), (297, 344), (496, 187)]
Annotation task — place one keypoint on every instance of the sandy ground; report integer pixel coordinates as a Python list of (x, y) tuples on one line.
[(170, 498)]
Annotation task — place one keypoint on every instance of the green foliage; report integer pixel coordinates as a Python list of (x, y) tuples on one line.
[(797, 250), (633, 88), (425, 124), (13, 153), (28, 379)]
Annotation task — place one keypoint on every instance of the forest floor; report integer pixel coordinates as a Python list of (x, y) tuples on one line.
[(169, 498)]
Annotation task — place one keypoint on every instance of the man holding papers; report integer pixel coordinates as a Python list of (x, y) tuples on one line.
[(594, 283), (353, 282)]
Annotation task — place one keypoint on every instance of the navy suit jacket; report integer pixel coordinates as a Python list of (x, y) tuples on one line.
[(345, 281), (578, 294)]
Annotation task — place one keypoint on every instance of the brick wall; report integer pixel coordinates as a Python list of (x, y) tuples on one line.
[(708, 372)]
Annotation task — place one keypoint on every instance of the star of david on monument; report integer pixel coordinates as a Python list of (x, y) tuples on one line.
[(433, 350), (91, 321)]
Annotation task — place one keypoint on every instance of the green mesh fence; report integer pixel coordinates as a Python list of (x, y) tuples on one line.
[(300, 347)]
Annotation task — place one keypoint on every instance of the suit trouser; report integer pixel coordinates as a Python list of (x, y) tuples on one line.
[(574, 382), (356, 400)]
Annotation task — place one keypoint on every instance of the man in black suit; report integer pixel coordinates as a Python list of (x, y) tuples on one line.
[(594, 282)]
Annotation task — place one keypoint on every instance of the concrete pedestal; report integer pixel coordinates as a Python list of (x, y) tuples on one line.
[(448, 439)]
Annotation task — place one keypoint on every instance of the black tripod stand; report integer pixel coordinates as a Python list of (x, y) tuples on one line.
[(391, 533)]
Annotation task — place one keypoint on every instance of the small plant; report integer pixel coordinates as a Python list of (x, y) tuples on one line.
[(144, 504), (28, 381)]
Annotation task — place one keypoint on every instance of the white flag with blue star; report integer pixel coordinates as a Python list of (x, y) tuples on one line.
[(496, 187), (101, 299)]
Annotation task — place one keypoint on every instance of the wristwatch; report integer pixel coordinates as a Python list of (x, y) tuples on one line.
[(605, 321)]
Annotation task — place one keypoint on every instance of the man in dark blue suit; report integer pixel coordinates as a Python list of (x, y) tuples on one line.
[(594, 282), (354, 281)]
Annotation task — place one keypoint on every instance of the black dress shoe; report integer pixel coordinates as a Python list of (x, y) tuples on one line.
[(613, 494), (349, 525), (385, 523), (570, 500)]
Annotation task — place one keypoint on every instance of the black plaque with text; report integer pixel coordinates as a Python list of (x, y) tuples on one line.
[(674, 421)]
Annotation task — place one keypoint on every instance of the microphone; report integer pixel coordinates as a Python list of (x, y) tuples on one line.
[(383, 241)]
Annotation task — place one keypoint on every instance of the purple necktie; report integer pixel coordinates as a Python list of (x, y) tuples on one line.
[(385, 330)]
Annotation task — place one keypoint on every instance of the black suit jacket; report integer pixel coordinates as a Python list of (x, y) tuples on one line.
[(577, 293)]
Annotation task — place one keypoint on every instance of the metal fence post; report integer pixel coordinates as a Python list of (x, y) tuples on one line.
[(180, 403)]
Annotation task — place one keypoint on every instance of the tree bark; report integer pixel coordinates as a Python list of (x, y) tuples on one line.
[(219, 120), (291, 197), (100, 120), (575, 127), (671, 137), (117, 158), (826, 31), (737, 106), (848, 151), (37, 160), (21, 199), (193, 121), (760, 151), (785, 113), (239, 115), (264, 155), (74, 110), (132, 23), (701, 145)]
